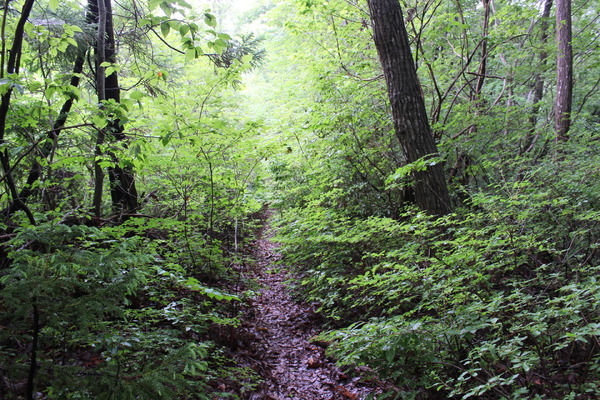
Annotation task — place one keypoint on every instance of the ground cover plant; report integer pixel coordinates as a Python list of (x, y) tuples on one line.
[(491, 301)]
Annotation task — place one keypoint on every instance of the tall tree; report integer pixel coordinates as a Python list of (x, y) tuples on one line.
[(122, 180), (408, 108), (538, 88), (564, 70)]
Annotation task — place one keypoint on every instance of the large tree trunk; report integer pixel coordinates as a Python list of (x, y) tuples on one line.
[(122, 180), (408, 108), (564, 69)]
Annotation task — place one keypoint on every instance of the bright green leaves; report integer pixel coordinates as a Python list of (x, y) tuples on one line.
[(169, 7), (110, 68), (210, 20), (191, 50), (188, 31), (55, 42), (11, 83), (53, 4), (403, 174), (468, 290), (68, 91), (219, 44), (212, 293)]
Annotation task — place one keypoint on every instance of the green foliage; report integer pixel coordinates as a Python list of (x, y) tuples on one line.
[(499, 300), (106, 317)]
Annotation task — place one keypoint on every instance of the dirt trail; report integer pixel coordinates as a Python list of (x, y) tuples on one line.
[(279, 330)]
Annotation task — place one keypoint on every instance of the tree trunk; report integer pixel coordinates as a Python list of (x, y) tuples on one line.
[(538, 88), (564, 70), (408, 108), (122, 180), (99, 8)]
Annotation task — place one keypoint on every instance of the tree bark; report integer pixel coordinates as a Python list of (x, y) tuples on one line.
[(99, 7), (538, 88), (408, 108), (564, 70), (122, 179)]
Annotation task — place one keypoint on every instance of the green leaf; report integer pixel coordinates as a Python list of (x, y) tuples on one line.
[(190, 54), (184, 29), (136, 95), (210, 20), (167, 9), (152, 4), (50, 90), (390, 354), (213, 293), (246, 60), (165, 28)]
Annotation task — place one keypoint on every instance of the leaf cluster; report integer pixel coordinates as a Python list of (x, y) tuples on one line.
[(497, 301)]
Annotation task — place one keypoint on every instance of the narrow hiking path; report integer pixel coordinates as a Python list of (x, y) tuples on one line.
[(277, 330)]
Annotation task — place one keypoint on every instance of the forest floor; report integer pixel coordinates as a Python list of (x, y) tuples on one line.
[(276, 332)]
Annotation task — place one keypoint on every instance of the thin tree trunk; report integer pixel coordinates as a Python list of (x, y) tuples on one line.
[(12, 67), (408, 108), (538, 88), (564, 70), (475, 97), (100, 89)]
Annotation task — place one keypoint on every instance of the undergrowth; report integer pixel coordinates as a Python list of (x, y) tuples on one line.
[(120, 312), (499, 300)]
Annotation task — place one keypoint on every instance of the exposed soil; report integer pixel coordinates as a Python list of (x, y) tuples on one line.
[(277, 330)]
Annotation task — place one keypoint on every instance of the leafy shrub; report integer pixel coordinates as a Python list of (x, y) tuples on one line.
[(499, 301), (91, 315)]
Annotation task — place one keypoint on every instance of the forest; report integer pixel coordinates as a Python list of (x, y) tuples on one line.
[(300, 199)]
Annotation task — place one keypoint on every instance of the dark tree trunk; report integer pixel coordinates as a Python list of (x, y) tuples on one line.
[(564, 69), (122, 180), (98, 8), (408, 108), (538, 88)]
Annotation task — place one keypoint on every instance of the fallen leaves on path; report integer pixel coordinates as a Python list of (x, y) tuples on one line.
[(292, 367)]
